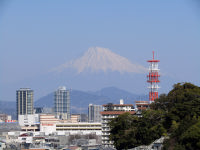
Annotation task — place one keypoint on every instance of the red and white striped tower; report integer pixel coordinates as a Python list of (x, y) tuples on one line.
[(153, 79)]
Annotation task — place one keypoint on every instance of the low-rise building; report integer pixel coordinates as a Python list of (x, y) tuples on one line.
[(26, 120), (29, 122), (48, 123), (25, 138), (79, 127)]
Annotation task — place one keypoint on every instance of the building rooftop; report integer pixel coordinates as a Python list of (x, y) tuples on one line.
[(24, 89)]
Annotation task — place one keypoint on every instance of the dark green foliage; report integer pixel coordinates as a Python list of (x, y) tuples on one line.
[(123, 130), (183, 113), (176, 114), (191, 137), (129, 131)]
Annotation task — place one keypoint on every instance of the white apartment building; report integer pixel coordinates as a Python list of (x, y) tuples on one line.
[(109, 112)]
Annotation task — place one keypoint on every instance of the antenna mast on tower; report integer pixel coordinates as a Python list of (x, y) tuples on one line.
[(153, 79)]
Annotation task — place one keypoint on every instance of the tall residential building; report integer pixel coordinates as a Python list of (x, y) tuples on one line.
[(62, 103), (24, 98), (94, 113), (109, 112)]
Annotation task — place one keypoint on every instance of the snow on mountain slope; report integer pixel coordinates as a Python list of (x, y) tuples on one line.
[(101, 59)]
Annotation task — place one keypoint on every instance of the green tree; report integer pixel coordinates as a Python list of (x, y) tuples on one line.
[(128, 131), (183, 112), (191, 137), (122, 130)]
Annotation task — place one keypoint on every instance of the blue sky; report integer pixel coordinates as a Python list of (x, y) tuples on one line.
[(36, 36)]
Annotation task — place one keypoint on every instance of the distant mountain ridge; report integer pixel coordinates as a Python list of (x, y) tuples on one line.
[(80, 100), (8, 108)]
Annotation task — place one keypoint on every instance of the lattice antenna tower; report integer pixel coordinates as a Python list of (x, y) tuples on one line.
[(153, 79)]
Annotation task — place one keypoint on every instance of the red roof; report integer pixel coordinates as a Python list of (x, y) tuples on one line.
[(24, 134)]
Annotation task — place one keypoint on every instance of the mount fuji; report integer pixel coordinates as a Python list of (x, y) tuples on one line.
[(97, 59)]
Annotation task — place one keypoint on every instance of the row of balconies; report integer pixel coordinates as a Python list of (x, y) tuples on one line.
[(105, 121), (104, 125), (105, 133), (108, 116), (91, 130), (79, 128), (105, 138), (119, 108), (106, 129), (107, 142)]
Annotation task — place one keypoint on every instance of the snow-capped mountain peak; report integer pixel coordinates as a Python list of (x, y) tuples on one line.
[(102, 59)]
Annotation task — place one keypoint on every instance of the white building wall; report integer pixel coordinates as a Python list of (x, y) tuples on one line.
[(26, 139), (9, 117), (48, 123), (48, 128), (26, 120)]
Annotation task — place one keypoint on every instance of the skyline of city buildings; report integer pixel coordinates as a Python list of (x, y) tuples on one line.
[(58, 121), (50, 125)]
